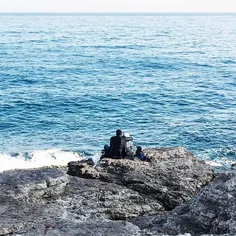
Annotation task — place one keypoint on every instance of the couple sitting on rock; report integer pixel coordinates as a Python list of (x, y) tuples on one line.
[(121, 146)]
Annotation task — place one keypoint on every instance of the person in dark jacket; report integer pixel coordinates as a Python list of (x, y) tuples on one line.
[(139, 153), (106, 151), (118, 145)]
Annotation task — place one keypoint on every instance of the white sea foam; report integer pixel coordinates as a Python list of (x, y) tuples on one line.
[(96, 158), (220, 157), (36, 159), (214, 163)]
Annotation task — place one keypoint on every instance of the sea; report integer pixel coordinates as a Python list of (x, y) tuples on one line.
[(69, 81)]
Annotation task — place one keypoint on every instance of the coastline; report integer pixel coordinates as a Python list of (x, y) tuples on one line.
[(117, 197)]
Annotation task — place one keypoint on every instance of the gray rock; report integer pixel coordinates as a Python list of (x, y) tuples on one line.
[(47, 201), (90, 227), (212, 211), (24, 195), (172, 177), (34, 184)]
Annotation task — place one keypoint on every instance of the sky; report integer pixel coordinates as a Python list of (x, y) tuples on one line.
[(118, 6)]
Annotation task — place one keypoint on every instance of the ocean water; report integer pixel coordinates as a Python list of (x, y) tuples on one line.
[(67, 82)]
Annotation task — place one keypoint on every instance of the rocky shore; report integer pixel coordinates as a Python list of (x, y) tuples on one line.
[(173, 194)]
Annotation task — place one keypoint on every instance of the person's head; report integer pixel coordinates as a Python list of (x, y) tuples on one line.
[(106, 148), (118, 132), (139, 149)]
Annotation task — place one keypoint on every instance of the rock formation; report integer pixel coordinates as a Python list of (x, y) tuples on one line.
[(172, 176), (212, 211), (101, 200)]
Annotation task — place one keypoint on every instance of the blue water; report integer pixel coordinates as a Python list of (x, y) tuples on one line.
[(69, 81)]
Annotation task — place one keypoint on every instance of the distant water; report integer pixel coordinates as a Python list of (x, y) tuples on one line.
[(67, 82)]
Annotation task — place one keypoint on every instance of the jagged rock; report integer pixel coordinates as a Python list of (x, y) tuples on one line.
[(84, 207), (23, 192), (172, 176), (34, 184), (63, 227), (82, 168), (212, 211), (94, 198), (47, 201)]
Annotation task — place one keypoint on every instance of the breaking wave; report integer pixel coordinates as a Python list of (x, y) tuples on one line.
[(36, 159), (221, 158)]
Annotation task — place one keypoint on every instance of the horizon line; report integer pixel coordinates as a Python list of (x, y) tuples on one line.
[(147, 12)]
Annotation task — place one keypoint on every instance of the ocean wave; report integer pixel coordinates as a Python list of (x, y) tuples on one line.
[(73, 87), (36, 159), (229, 61), (221, 158)]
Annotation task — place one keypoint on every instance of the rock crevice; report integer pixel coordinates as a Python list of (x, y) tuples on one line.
[(112, 198)]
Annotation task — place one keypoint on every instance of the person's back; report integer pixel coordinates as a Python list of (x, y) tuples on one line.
[(117, 145)]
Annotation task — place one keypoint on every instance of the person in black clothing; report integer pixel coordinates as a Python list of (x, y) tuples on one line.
[(118, 145)]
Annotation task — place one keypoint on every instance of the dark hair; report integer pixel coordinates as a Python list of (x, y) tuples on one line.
[(118, 132), (139, 148)]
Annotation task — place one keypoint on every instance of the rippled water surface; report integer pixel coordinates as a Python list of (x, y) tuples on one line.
[(69, 81)]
